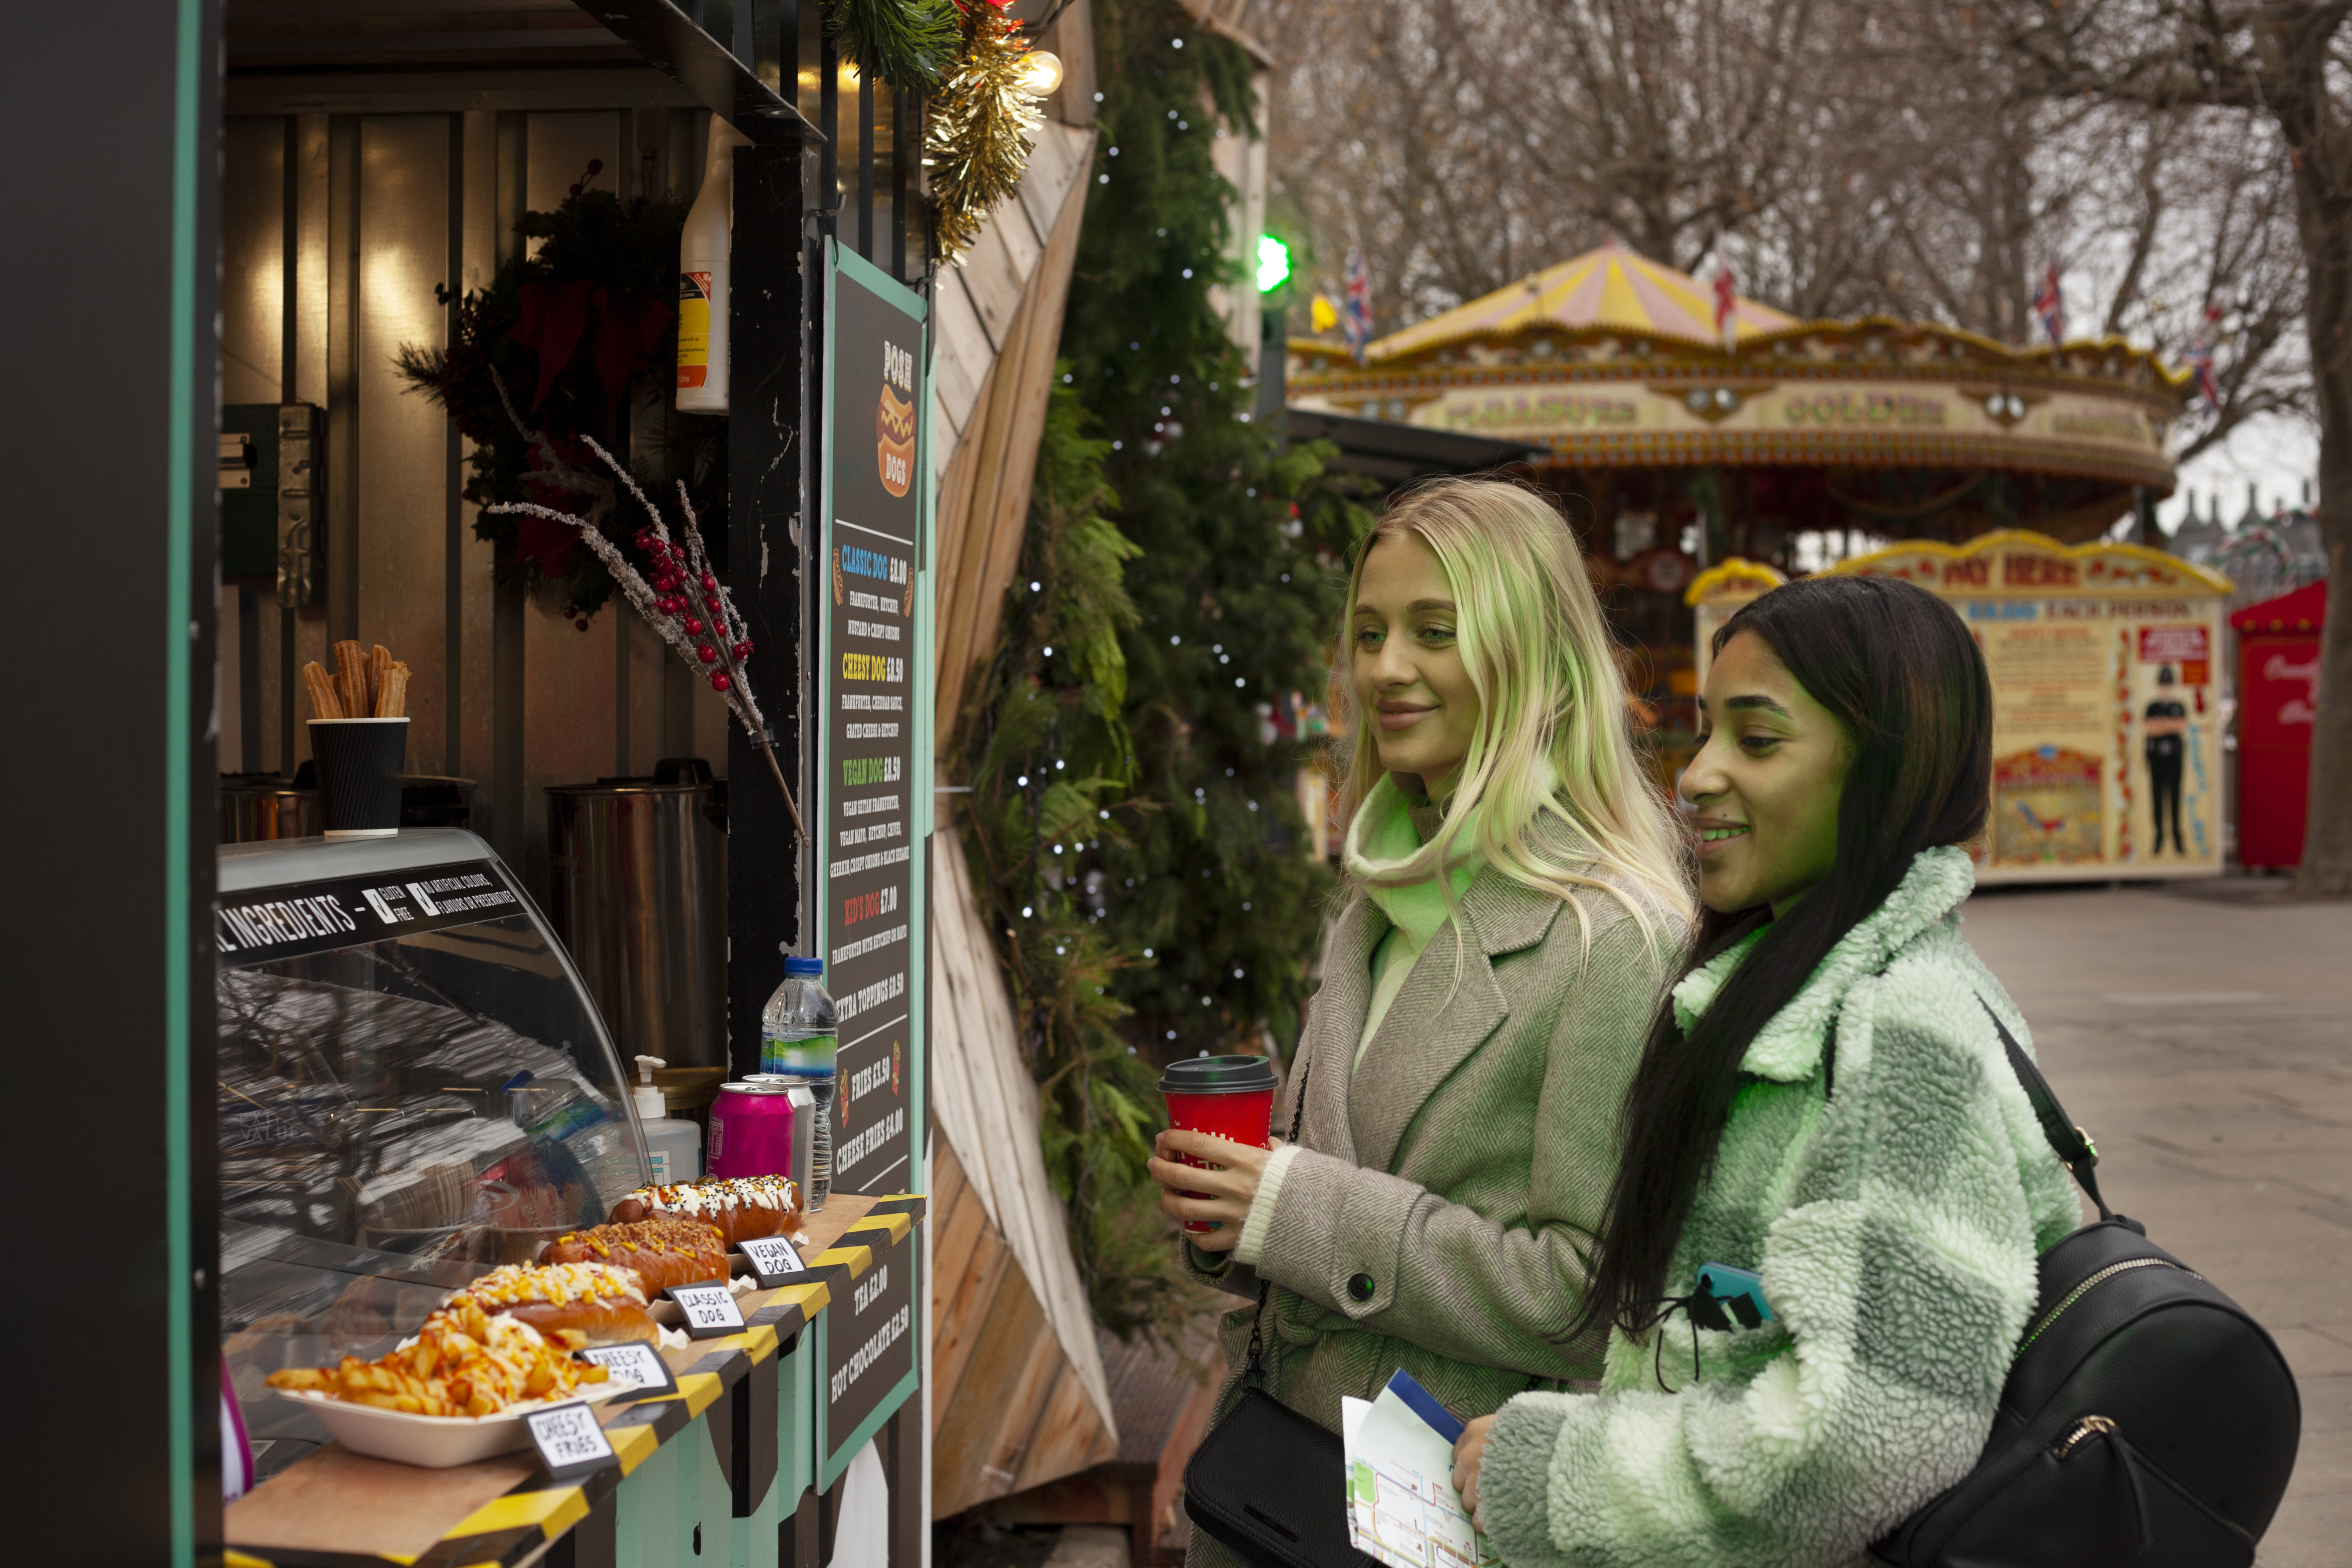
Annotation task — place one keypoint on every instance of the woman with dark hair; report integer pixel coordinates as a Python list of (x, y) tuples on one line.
[(1825, 1102)]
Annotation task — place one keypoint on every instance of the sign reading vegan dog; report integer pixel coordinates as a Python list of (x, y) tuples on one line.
[(875, 804)]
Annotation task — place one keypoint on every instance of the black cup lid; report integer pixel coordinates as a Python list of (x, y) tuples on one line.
[(1217, 1075)]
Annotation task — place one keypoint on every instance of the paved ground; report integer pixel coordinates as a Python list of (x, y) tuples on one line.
[(2204, 1036)]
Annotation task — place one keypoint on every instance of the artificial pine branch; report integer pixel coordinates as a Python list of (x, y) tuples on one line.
[(904, 44)]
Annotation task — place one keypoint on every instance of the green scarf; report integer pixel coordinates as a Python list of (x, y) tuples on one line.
[(1382, 837)]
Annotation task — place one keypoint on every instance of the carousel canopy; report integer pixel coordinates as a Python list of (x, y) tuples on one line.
[(1611, 362), (1610, 288)]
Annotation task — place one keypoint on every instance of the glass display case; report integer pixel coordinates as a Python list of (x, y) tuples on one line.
[(414, 1088)]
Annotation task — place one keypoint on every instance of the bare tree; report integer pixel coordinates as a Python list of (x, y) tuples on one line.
[(2283, 68)]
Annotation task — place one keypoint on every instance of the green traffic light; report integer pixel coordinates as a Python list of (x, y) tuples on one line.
[(1273, 263)]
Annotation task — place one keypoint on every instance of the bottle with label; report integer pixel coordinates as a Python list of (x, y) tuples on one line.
[(702, 278), (798, 1037), (673, 1146)]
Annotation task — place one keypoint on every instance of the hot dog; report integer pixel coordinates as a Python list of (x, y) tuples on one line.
[(603, 1304), (661, 1252), (741, 1207)]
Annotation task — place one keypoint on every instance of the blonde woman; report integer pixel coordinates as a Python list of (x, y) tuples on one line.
[(1516, 900)]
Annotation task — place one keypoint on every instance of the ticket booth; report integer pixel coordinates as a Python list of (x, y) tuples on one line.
[(2278, 697)]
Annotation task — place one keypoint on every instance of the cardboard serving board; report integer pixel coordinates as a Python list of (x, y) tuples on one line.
[(337, 1504)]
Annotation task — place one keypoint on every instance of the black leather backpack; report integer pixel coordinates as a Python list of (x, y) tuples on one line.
[(2147, 1420)]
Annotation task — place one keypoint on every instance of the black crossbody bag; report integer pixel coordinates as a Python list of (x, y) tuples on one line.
[(2148, 1420), (1266, 1482)]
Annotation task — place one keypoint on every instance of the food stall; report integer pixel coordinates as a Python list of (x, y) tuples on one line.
[(2107, 717), (361, 1090), (416, 1089), (1681, 429)]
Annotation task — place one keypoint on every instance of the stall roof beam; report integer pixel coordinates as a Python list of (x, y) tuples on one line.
[(670, 41), (1397, 452)]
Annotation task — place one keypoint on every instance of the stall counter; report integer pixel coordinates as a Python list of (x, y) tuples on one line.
[(679, 1480)]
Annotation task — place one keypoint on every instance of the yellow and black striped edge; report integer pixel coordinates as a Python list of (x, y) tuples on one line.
[(509, 1528)]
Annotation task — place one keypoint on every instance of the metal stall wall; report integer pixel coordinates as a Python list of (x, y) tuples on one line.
[(348, 193), (110, 259)]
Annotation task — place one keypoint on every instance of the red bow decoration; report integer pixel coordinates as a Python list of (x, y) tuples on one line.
[(555, 318)]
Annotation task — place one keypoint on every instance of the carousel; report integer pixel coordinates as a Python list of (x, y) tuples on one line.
[(1679, 437)]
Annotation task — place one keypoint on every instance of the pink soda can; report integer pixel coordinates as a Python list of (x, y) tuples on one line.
[(751, 1131)]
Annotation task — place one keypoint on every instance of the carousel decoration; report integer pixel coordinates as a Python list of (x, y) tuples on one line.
[(1683, 427), (983, 121)]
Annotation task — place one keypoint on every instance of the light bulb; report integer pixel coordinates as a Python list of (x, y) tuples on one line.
[(1041, 72)]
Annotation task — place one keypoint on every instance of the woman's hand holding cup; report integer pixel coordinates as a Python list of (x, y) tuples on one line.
[(1213, 1152), (1216, 1192)]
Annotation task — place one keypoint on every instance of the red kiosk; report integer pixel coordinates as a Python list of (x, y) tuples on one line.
[(2278, 689)]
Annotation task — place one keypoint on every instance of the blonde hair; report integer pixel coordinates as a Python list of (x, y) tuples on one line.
[(1552, 738)]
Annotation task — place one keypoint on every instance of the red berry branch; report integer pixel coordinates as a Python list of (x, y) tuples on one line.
[(682, 599)]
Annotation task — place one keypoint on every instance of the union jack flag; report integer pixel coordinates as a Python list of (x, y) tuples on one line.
[(2201, 360), (2050, 307), (1355, 313)]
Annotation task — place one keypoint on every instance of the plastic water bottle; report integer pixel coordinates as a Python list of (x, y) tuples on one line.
[(798, 1037)]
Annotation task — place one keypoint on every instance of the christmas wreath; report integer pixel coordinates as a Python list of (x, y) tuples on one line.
[(575, 334)]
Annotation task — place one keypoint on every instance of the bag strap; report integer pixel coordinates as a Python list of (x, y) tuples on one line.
[(1253, 1369), (2068, 1142)]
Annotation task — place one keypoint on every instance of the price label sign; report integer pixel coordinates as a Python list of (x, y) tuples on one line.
[(571, 1444), (709, 1309), (773, 1259), (637, 1363)]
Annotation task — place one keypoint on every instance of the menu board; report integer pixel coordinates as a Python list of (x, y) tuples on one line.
[(2106, 718), (870, 1334), (875, 367)]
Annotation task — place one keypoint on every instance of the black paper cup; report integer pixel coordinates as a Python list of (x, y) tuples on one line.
[(359, 774)]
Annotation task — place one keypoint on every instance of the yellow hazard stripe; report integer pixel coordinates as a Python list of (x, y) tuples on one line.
[(635, 1445), (898, 1225), (554, 1510), (856, 1260), (811, 1298)]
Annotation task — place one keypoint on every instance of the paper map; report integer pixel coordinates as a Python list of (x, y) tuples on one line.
[(1402, 1509)]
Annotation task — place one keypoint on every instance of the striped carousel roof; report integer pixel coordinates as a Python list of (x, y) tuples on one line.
[(1610, 287)]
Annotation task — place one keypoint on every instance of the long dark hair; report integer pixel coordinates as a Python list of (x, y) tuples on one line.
[(1904, 677)]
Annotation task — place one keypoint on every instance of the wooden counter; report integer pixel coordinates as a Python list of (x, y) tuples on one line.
[(340, 1509)]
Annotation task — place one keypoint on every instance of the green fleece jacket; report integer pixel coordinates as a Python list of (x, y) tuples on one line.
[(1895, 1223)]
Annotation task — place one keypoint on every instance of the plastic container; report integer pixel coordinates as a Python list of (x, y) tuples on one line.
[(1225, 1097), (673, 1146), (704, 247), (798, 1040)]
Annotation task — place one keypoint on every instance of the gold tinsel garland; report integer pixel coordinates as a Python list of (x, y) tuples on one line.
[(983, 121)]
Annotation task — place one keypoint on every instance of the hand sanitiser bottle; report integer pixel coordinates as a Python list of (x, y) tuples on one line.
[(702, 278), (673, 1146), (798, 1037)]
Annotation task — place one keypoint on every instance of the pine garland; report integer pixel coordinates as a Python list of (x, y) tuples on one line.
[(984, 120), (904, 44)]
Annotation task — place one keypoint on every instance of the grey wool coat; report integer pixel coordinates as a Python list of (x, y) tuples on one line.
[(1440, 1213)]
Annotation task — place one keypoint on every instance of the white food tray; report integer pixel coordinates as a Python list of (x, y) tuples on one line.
[(438, 1442)]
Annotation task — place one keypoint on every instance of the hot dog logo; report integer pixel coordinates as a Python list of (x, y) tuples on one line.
[(836, 573), (894, 421)]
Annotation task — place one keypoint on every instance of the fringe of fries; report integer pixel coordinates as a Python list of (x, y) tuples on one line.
[(463, 1361)]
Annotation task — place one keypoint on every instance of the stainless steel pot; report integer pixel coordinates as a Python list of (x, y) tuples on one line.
[(639, 884)]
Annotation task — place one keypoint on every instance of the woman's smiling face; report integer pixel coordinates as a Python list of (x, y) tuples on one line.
[(1405, 659), (1763, 790)]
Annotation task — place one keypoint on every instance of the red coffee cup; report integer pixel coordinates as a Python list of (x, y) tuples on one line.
[(1225, 1097)]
